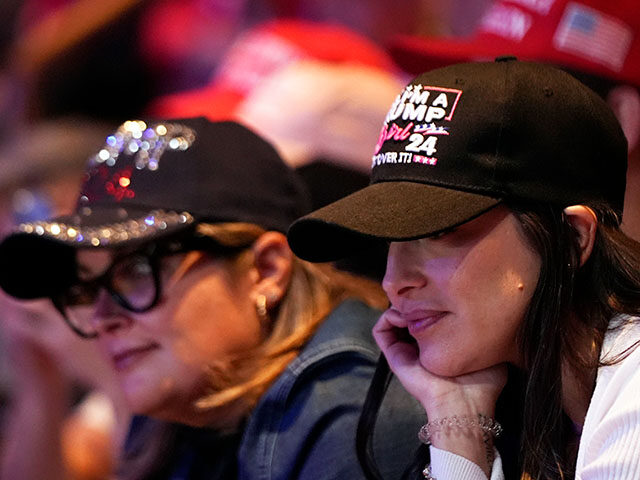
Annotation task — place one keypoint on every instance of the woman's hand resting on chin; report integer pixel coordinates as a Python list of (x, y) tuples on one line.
[(466, 395)]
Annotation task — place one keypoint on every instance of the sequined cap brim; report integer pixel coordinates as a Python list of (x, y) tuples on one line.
[(38, 260), (76, 230)]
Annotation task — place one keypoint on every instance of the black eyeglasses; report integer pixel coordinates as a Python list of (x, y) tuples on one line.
[(133, 280)]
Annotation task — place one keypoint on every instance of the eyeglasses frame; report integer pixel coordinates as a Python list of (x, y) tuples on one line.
[(173, 246)]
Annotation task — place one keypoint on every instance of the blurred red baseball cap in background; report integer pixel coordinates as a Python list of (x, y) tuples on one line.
[(314, 90), (598, 37), (261, 52)]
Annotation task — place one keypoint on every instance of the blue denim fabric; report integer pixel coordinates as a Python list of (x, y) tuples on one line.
[(304, 426)]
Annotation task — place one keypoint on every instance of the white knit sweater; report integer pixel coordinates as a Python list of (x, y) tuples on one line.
[(610, 441)]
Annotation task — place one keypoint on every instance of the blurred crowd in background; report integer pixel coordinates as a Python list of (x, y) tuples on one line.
[(315, 77)]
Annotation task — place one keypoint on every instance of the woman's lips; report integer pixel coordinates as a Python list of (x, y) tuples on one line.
[(415, 321), (126, 358), (419, 323)]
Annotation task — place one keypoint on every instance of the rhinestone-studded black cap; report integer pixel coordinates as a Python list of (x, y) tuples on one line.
[(154, 179)]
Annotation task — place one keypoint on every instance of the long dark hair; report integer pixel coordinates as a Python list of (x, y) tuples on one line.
[(569, 316), (567, 320)]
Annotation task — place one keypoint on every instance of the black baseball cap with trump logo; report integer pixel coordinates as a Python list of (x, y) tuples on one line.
[(155, 179), (461, 139)]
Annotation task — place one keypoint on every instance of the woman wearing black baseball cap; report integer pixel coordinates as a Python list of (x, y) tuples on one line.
[(499, 188), (243, 360)]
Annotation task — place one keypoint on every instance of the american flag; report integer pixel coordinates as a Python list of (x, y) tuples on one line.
[(590, 34)]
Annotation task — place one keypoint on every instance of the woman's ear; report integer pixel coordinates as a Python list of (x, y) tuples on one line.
[(585, 223), (273, 263)]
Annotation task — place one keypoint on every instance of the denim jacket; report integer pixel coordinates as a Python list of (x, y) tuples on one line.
[(304, 426)]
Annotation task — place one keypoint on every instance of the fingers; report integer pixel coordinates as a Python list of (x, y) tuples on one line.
[(398, 347), (395, 343)]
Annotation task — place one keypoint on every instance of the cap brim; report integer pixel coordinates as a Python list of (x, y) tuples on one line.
[(32, 266), (386, 211), (215, 102), (416, 55), (420, 54), (39, 261)]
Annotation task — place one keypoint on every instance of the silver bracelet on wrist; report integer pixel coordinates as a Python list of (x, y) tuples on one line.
[(488, 426)]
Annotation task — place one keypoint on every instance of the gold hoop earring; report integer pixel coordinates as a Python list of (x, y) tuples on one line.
[(261, 306)]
